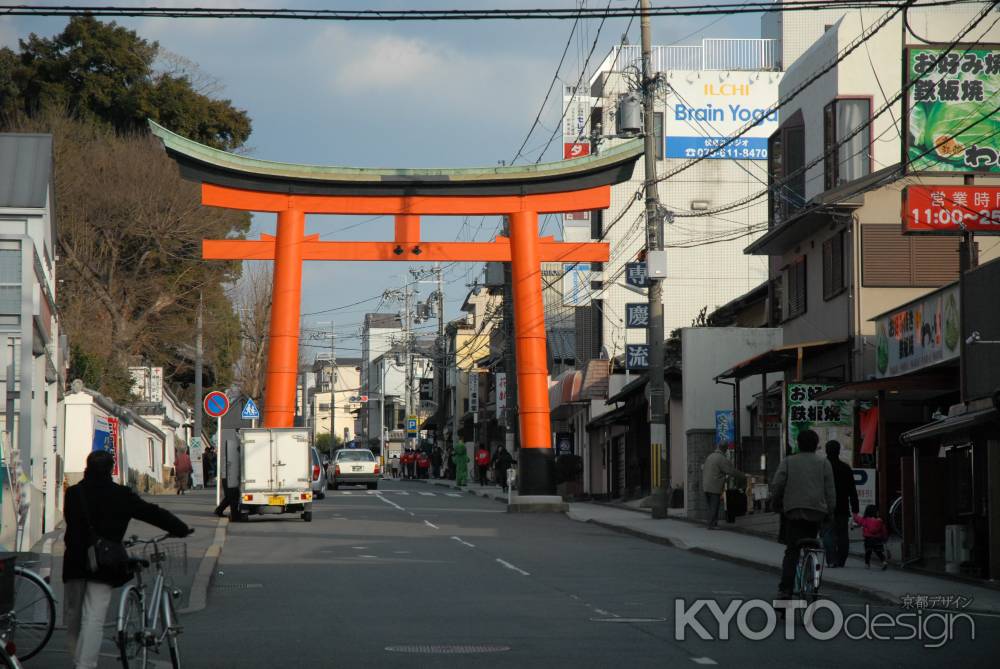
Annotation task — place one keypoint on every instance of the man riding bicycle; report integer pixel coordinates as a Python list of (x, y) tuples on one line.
[(803, 488)]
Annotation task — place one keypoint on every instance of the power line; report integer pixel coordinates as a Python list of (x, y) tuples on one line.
[(396, 15)]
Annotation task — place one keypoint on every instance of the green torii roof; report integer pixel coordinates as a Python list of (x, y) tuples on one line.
[(207, 165)]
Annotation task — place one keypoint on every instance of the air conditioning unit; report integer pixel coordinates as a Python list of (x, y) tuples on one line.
[(957, 547)]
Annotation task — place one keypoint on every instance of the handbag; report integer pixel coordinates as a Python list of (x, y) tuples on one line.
[(107, 560)]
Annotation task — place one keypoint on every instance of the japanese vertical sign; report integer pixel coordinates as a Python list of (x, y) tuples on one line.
[(576, 284), (636, 357), (501, 393), (473, 392), (636, 275), (951, 119), (830, 419), (725, 429), (637, 315)]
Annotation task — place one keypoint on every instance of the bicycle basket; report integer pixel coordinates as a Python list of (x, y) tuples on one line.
[(172, 556)]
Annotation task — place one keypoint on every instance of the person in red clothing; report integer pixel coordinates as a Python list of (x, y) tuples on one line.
[(875, 533), (482, 463), (406, 459), (423, 465), (182, 470)]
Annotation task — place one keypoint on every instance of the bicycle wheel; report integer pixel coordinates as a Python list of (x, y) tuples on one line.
[(34, 615), (812, 570), (896, 516), (173, 630), (132, 649)]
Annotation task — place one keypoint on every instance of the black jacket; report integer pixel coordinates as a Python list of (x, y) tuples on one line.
[(847, 494), (111, 507)]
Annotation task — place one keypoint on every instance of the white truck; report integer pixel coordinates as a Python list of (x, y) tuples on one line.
[(276, 472)]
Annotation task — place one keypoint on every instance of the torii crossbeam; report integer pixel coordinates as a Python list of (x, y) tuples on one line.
[(520, 193)]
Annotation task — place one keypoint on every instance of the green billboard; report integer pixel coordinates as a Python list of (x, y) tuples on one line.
[(951, 112)]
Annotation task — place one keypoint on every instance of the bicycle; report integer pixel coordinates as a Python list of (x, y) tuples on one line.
[(808, 571), (147, 620), (28, 626)]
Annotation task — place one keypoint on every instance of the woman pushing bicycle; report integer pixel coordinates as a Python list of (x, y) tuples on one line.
[(97, 512)]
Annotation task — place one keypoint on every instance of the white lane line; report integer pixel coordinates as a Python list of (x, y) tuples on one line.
[(345, 492), (703, 660), (430, 524), (389, 501), (454, 494), (602, 612), (360, 548), (402, 552), (366, 556), (412, 514), (428, 494), (464, 542), (400, 492), (513, 568), (372, 492)]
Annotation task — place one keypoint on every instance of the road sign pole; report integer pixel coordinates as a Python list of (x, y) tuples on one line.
[(218, 463)]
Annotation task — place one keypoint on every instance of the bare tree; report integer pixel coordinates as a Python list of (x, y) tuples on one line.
[(251, 297)]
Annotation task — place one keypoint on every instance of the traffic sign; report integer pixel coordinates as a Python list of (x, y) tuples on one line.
[(216, 404), (411, 426), (250, 411)]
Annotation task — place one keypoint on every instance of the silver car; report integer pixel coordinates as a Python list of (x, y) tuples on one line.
[(353, 466), (318, 476)]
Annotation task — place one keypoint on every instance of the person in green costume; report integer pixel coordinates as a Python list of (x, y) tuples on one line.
[(461, 464)]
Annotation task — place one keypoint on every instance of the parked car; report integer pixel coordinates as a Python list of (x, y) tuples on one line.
[(353, 466), (319, 483)]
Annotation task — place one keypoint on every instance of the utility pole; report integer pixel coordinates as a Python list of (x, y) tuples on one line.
[(333, 388), (408, 352), (654, 242), (199, 355), (440, 362)]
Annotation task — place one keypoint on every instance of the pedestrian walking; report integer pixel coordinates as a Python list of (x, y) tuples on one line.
[(461, 460), (836, 536), (436, 460), (501, 463), (875, 532), (208, 465), (482, 464), (394, 465), (97, 508), (182, 470), (713, 481), (230, 480), (804, 490), (423, 465)]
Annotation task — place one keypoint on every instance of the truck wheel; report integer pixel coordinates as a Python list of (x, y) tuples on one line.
[(307, 516)]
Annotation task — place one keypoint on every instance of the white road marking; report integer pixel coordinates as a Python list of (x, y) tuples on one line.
[(400, 492), (602, 612), (360, 548), (366, 556), (402, 552), (453, 494), (703, 660), (372, 492), (345, 492), (513, 568), (464, 542), (389, 501), (428, 494), (430, 524)]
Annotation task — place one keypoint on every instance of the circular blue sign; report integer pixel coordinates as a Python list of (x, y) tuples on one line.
[(216, 404)]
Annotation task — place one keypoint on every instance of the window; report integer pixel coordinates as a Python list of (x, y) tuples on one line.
[(852, 158), (890, 259), (795, 281), (833, 265), (786, 156), (324, 406), (775, 297), (596, 223)]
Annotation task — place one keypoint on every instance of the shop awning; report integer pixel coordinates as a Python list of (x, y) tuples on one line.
[(950, 425), (917, 386), (777, 359)]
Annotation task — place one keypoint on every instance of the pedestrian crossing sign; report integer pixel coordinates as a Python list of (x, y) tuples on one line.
[(250, 411)]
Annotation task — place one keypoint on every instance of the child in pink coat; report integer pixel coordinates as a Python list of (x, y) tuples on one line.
[(875, 533)]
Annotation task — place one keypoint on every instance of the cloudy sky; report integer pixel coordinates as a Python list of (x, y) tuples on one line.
[(409, 94)]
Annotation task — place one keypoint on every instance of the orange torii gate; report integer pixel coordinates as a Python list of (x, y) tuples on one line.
[(521, 193)]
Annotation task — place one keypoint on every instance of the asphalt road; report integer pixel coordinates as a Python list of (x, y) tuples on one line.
[(405, 576)]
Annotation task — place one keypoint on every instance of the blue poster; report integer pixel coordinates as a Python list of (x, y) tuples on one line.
[(725, 429), (102, 435)]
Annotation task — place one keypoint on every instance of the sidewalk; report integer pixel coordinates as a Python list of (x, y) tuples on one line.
[(889, 586), (753, 543), (195, 508)]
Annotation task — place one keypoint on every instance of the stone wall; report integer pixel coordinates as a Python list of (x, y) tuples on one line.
[(699, 444)]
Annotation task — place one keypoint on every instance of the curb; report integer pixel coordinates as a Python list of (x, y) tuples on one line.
[(206, 570)]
